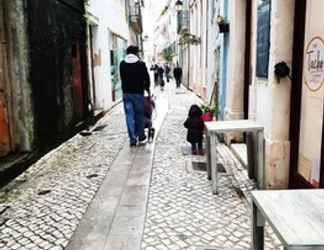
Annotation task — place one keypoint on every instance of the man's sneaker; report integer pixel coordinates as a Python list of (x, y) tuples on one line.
[(194, 152), (133, 144), (201, 152), (142, 139)]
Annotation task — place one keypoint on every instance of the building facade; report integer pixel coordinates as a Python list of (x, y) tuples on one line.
[(246, 42), (198, 29), (43, 73), (165, 35), (264, 36), (113, 25)]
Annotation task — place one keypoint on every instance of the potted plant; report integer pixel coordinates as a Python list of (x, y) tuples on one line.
[(209, 112)]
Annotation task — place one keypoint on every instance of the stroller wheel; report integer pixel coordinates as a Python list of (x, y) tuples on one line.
[(152, 133), (149, 135)]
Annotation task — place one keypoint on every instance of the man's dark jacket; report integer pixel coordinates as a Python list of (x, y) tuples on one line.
[(135, 77)]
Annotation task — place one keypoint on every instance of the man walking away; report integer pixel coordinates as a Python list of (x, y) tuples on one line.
[(177, 73), (167, 72), (135, 79)]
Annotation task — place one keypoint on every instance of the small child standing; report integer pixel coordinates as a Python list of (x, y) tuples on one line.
[(195, 126)]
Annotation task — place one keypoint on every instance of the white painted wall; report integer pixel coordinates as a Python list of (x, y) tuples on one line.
[(198, 52), (165, 28), (214, 43), (270, 100), (235, 85), (111, 17)]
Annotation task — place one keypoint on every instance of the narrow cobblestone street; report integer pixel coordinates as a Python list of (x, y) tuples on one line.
[(150, 198), (161, 125), (182, 212), (42, 208)]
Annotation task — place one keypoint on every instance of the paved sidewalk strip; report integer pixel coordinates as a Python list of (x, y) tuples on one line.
[(116, 216), (46, 203)]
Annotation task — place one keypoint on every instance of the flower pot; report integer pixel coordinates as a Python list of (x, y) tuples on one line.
[(208, 116)]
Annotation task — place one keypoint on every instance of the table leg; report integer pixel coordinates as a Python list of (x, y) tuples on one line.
[(257, 229), (213, 164), (250, 143), (261, 160), (208, 156)]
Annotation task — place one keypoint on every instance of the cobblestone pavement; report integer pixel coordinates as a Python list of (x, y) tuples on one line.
[(42, 208), (182, 211)]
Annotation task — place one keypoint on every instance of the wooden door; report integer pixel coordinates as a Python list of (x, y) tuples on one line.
[(77, 80), (5, 147)]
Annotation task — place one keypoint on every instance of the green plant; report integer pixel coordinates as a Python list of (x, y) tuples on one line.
[(207, 108), (168, 54)]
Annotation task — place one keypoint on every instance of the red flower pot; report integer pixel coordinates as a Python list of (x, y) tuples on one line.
[(208, 117)]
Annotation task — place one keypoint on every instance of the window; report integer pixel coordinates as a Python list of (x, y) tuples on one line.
[(263, 38)]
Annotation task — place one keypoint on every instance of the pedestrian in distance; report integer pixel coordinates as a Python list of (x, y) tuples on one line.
[(195, 125), (161, 78), (177, 73), (135, 80), (155, 69), (167, 72)]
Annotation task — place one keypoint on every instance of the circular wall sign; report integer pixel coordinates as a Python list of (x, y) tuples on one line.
[(314, 64)]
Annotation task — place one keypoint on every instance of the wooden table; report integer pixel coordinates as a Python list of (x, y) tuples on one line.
[(219, 127), (297, 217)]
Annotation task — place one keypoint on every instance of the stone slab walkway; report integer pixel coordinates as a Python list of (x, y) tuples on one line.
[(116, 216)]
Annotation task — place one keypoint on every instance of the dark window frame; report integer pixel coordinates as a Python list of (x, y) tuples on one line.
[(263, 42)]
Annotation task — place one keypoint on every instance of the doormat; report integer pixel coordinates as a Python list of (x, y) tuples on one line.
[(199, 166), (202, 166)]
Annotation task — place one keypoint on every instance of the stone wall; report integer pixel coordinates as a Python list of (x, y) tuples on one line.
[(20, 111)]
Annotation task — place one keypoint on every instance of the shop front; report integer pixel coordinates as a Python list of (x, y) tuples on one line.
[(307, 110), (117, 53)]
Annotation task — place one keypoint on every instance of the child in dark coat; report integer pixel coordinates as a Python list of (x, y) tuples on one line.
[(195, 126)]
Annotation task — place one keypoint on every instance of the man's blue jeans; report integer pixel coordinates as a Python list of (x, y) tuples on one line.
[(134, 111)]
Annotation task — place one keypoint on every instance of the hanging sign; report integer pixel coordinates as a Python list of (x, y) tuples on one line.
[(314, 64)]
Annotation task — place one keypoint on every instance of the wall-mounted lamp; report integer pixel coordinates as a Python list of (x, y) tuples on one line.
[(282, 70)]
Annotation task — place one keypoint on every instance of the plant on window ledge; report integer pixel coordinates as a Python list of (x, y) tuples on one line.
[(209, 112), (189, 39)]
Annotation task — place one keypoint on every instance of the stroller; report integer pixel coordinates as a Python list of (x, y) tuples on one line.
[(149, 107)]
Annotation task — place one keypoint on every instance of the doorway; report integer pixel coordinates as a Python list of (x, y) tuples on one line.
[(5, 140), (307, 158), (247, 63)]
